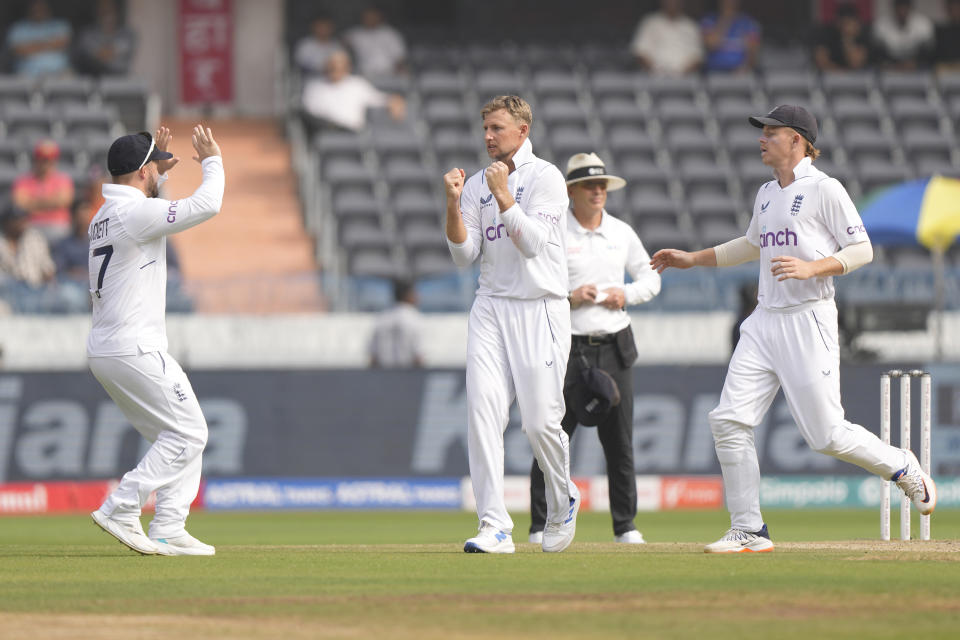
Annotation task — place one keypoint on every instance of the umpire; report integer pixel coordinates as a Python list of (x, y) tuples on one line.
[(600, 248)]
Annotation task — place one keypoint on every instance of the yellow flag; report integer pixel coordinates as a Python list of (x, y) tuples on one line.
[(939, 221)]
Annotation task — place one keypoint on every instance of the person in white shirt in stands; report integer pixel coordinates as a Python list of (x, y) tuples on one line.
[(513, 216), (379, 49), (313, 51), (340, 99), (804, 230), (127, 345), (600, 248), (395, 342), (668, 42)]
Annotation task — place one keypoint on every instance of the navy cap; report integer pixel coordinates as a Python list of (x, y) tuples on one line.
[(788, 115), (594, 396), (131, 152)]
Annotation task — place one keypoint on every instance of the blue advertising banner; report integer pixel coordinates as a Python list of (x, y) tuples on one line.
[(401, 424)]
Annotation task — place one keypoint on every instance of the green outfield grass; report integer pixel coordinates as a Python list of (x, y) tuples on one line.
[(404, 575)]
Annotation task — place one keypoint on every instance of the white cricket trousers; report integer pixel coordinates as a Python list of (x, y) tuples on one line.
[(517, 348), (798, 350), (155, 395)]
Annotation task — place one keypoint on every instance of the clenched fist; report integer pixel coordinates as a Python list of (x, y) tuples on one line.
[(453, 183), (497, 174)]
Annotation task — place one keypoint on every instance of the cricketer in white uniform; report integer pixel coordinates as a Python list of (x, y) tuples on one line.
[(127, 345), (807, 229), (513, 216)]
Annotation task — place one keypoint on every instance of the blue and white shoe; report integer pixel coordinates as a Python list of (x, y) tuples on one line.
[(917, 485), (740, 541), (183, 545), (489, 539), (557, 536)]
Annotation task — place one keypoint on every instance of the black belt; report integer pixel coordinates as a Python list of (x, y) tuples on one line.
[(607, 338)]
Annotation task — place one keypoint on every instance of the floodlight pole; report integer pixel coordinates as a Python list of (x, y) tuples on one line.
[(938, 294)]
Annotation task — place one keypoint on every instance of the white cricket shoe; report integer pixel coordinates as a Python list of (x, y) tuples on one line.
[(489, 539), (630, 537), (740, 541), (131, 534), (917, 485), (183, 545), (557, 536), (536, 537)]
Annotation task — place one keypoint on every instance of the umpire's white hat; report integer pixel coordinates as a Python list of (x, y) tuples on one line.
[(589, 166)]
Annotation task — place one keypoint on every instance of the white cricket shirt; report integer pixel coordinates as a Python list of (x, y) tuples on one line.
[(128, 261), (522, 250), (600, 257), (812, 218), (396, 337)]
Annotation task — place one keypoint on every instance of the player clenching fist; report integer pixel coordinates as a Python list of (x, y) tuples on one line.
[(496, 175), (453, 183)]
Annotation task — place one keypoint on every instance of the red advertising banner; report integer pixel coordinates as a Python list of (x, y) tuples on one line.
[(691, 492), (206, 51), (63, 497)]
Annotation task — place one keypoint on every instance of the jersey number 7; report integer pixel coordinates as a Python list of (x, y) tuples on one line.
[(106, 252)]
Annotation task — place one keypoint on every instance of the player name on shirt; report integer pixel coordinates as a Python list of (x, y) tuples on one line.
[(99, 229)]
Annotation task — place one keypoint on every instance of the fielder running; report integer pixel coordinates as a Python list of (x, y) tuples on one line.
[(513, 215), (805, 229), (127, 346)]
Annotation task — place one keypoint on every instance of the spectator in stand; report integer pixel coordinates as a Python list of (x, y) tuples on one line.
[(70, 255), (904, 40), (313, 51), (46, 192), (843, 45), (396, 341), (25, 263), (107, 46), (378, 48), (667, 41), (946, 53), (731, 38), (340, 99), (40, 43)]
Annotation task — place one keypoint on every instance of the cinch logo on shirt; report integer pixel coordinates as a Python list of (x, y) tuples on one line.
[(172, 211), (495, 232), (783, 238), (549, 218), (855, 229)]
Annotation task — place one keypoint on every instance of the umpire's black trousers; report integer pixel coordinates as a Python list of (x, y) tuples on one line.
[(615, 432)]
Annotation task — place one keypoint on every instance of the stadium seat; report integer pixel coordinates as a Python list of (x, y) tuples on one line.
[(490, 83), (875, 175), (29, 123), (713, 231), (606, 57), (855, 115), (357, 204), (129, 95), (731, 86), (439, 111), (560, 111), (8, 176), (440, 83), (648, 206), (676, 87), (553, 83), (376, 263), (928, 148), (61, 92), (415, 206), (868, 146), (429, 263), (355, 237), (676, 114), (790, 87), (715, 208), (539, 57), (440, 291), (614, 84), (566, 142), (916, 84), (628, 144), (691, 145), (82, 121), (13, 153), (657, 235), (912, 114), (644, 175), (340, 172), (848, 85), (17, 90)]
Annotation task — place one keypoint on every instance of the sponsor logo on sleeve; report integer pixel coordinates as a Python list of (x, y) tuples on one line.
[(172, 211), (855, 229)]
